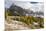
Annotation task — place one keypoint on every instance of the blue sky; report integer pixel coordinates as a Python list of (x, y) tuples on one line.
[(26, 3)]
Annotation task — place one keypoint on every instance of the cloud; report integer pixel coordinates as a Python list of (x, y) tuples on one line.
[(29, 0), (9, 2)]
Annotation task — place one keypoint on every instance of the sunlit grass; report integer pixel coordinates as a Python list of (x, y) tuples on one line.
[(27, 20)]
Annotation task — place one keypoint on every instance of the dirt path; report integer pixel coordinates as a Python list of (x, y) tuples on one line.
[(15, 25)]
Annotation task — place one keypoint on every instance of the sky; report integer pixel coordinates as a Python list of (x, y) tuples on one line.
[(8, 3), (26, 4)]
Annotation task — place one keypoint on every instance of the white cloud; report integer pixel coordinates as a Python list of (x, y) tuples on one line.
[(25, 5), (29, 0), (9, 2)]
